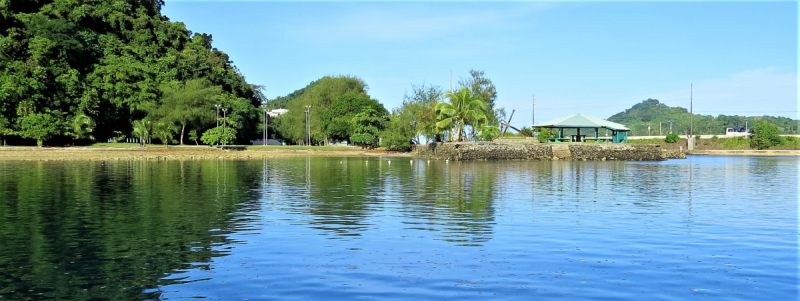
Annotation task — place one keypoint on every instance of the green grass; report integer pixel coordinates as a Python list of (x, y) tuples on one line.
[(121, 145), (735, 142), (647, 141)]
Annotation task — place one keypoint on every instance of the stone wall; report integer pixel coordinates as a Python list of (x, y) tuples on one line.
[(484, 151), (458, 151), (621, 151)]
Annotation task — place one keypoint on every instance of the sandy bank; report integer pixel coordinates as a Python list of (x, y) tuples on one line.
[(203, 153)]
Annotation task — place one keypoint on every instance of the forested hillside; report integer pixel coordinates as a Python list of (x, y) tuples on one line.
[(651, 112), (72, 70)]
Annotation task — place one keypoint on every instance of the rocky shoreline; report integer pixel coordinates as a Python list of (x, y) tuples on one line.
[(461, 151)]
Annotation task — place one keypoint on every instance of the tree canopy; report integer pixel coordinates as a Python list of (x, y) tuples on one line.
[(108, 60)]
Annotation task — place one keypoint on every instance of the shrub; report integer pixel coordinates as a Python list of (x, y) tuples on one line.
[(544, 134), (672, 138), (764, 136)]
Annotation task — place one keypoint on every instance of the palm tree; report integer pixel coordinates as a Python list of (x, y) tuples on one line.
[(82, 126), (142, 129), (164, 131), (464, 109)]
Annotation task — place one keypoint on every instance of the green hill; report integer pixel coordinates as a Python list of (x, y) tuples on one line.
[(651, 112)]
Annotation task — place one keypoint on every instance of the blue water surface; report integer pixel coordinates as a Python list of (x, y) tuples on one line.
[(707, 227)]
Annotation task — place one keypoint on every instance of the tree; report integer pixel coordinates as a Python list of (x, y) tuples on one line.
[(188, 103), (40, 126), (82, 127), (463, 110), (483, 88), (164, 131), (367, 126), (5, 130), (336, 119), (764, 136), (320, 95), (142, 129), (193, 136), (399, 132), (419, 109), (218, 135)]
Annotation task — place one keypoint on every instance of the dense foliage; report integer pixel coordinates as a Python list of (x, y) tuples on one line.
[(652, 113), (332, 102), (467, 115), (112, 62), (764, 136)]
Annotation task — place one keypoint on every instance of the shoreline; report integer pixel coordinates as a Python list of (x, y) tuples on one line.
[(176, 153), (757, 153)]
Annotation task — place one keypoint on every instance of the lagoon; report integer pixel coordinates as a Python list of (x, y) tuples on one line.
[(710, 227)]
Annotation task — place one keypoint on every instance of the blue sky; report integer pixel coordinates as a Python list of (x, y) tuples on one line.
[(595, 58)]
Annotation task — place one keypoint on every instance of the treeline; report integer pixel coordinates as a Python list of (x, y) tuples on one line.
[(651, 112), (72, 70), (341, 110)]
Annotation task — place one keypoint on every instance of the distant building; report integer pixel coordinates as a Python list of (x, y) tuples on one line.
[(277, 112), (737, 131)]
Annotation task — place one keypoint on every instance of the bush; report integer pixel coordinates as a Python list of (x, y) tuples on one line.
[(764, 136), (544, 134), (527, 130), (735, 142), (672, 138)]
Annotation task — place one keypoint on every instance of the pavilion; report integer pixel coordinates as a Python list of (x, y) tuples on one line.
[(619, 132)]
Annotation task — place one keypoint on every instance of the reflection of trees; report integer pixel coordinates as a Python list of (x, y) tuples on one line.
[(455, 199), (87, 230), (339, 193)]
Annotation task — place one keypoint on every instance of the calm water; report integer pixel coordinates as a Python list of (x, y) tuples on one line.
[(722, 228)]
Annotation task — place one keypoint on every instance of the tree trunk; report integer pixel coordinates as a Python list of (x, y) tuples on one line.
[(183, 127)]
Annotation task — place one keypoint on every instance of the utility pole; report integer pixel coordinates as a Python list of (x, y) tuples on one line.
[(308, 124), (691, 106), (659, 129), (533, 111)]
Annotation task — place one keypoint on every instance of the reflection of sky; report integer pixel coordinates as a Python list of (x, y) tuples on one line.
[(718, 227)]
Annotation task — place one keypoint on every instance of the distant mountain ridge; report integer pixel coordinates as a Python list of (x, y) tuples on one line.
[(651, 112)]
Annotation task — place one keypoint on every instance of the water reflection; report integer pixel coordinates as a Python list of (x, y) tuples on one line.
[(110, 231)]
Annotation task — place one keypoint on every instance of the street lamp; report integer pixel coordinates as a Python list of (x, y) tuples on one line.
[(648, 130), (223, 127), (745, 125), (670, 126), (308, 125), (264, 106), (217, 106)]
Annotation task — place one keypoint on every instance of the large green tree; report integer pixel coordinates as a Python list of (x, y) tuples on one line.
[(189, 103), (483, 88)]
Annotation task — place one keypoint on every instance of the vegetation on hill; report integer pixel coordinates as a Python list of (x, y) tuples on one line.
[(651, 112), (106, 64)]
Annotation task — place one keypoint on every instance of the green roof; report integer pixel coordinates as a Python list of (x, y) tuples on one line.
[(581, 121)]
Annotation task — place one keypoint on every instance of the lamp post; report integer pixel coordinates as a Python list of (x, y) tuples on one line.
[(223, 127), (308, 124), (217, 106), (648, 130), (265, 123), (745, 125), (670, 126)]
